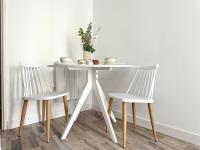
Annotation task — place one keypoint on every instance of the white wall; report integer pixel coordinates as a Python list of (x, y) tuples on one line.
[(39, 32), (149, 32)]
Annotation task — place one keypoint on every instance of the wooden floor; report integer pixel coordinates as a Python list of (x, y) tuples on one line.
[(88, 133)]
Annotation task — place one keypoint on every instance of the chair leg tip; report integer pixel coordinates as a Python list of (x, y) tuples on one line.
[(19, 134), (155, 139), (124, 145)]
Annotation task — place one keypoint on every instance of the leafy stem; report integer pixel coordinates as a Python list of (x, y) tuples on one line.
[(87, 39)]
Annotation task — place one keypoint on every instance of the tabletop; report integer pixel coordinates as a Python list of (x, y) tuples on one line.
[(98, 67)]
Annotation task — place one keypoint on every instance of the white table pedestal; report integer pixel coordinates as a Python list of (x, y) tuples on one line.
[(92, 83)]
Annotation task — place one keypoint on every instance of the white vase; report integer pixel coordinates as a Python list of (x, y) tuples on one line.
[(87, 55)]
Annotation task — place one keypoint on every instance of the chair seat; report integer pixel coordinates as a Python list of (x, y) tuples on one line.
[(46, 96), (124, 97)]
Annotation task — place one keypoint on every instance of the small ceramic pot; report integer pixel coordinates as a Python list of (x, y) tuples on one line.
[(81, 62), (95, 61), (89, 62)]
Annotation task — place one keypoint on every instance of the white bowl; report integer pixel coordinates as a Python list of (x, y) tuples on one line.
[(110, 60), (65, 60)]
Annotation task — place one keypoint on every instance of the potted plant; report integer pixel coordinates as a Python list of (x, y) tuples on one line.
[(88, 41)]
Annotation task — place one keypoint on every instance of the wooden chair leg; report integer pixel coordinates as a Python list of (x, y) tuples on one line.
[(133, 113), (23, 114), (65, 107), (43, 111), (110, 104), (48, 111), (152, 122), (124, 123)]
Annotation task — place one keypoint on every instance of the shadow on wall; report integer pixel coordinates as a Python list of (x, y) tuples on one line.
[(71, 81), (15, 92)]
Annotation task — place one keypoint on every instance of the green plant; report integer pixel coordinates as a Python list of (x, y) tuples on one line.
[(87, 39)]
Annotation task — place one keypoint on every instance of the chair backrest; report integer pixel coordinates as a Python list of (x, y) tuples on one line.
[(143, 81), (34, 81)]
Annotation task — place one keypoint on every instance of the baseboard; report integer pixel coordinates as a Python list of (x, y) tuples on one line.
[(35, 118), (162, 128), (165, 129)]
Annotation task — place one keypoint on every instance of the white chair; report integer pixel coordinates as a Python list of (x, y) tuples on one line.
[(36, 88), (140, 91)]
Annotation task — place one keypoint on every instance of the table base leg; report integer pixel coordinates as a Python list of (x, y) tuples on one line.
[(106, 103), (100, 98), (77, 110)]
